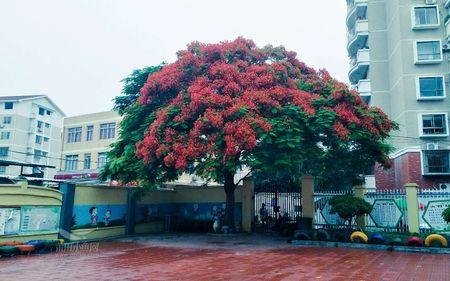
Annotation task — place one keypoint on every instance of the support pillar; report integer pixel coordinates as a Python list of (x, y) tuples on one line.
[(307, 202), (248, 205), (360, 192), (413, 207), (65, 219), (131, 212)]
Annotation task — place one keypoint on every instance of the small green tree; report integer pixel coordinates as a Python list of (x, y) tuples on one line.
[(446, 215), (349, 206)]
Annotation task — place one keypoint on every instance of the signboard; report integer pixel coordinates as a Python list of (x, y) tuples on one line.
[(433, 214), (9, 221), (39, 219), (386, 213)]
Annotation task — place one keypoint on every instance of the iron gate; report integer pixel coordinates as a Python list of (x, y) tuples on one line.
[(283, 205)]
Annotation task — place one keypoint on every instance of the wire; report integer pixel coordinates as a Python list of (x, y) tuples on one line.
[(48, 157)]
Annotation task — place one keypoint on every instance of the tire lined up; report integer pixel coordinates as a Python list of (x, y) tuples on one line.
[(12, 248)]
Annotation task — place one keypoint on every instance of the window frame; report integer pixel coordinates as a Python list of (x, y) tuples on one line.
[(2, 149), (110, 131), (420, 119), (89, 132), (78, 131), (5, 133), (433, 61), (416, 26), (41, 110), (425, 166), (74, 159), (8, 103), (418, 92), (7, 118), (86, 157), (98, 160)]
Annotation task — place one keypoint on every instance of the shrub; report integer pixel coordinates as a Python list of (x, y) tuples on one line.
[(349, 206), (446, 214)]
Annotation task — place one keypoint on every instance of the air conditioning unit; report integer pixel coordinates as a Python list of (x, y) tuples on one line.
[(432, 146), (444, 186), (430, 2)]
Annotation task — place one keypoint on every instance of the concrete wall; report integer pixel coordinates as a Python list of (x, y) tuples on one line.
[(36, 212)]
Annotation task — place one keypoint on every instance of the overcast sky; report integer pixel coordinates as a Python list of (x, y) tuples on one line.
[(77, 51)]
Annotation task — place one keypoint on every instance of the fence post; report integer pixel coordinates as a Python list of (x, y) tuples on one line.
[(65, 220), (412, 207), (308, 197), (360, 192), (248, 205)]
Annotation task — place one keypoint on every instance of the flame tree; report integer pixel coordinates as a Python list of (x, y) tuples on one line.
[(222, 107)]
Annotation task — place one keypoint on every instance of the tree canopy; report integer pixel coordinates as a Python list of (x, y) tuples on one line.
[(221, 107)]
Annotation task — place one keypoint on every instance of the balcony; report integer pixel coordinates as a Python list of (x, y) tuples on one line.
[(364, 90), (357, 37), (357, 9), (359, 67)]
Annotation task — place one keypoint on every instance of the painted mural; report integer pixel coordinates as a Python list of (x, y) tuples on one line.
[(92, 216), (189, 214)]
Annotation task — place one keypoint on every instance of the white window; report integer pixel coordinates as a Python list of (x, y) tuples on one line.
[(107, 131), (102, 159), (39, 139), (74, 135), (5, 135), (436, 162), (428, 51), (431, 87), (46, 139), (433, 125), (90, 133), (41, 111), (7, 120), (71, 162), (425, 17), (47, 125), (9, 105), (87, 161), (4, 151)]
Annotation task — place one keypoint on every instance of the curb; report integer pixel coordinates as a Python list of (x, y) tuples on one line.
[(405, 249)]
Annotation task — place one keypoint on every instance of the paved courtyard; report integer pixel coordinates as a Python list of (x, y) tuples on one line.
[(204, 257)]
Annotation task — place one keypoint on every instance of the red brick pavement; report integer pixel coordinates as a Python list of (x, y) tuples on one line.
[(135, 260)]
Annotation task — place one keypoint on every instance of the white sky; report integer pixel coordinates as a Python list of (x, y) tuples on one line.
[(77, 51)]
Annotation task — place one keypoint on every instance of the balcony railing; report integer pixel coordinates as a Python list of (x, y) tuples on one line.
[(357, 36), (356, 9)]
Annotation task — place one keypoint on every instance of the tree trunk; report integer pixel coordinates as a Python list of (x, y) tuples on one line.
[(229, 191)]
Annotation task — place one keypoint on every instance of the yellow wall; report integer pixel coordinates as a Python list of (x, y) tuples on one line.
[(97, 233), (98, 195), (189, 194), (24, 195)]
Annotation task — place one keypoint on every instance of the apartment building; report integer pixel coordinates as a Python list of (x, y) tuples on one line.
[(30, 132), (399, 61), (86, 140)]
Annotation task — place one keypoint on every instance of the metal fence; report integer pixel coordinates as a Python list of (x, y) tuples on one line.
[(389, 211), (432, 202), (322, 216)]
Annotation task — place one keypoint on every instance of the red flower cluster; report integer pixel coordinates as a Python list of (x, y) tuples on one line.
[(223, 98)]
